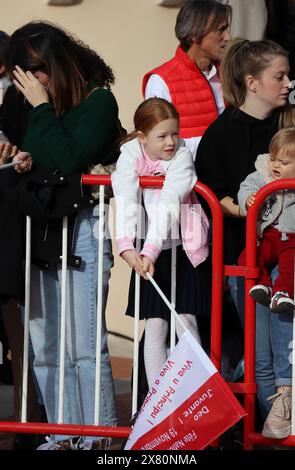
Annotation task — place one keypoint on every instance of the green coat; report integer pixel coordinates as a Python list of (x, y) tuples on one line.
[(83, 136)]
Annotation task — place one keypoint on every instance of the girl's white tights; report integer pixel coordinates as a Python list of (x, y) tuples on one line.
[(155, 353)]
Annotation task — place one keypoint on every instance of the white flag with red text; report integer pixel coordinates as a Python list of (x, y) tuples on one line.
[(188, 406)]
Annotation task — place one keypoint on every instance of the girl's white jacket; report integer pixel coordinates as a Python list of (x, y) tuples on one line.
[(165, 207)]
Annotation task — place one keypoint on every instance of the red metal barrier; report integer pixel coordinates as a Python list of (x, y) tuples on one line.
[(217, 252), (250, 272), (250, 310), (217, 263)]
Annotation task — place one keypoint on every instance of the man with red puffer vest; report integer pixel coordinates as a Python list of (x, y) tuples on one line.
[(190, 80)]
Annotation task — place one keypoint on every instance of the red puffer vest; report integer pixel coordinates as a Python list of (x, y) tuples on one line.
[(190, 93)]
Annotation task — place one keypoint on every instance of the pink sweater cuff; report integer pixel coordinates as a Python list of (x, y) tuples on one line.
[(124, 244), (150, 251)]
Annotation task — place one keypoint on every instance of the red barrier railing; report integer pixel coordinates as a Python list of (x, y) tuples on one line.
[(252, 215), (123, 432), (217, 255), (250, 272), (217, 252)]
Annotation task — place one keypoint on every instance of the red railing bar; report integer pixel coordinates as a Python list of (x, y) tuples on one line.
[(257, 438), (250, 327), (217, 253), (72, 429), (250, 272), (244, 271)]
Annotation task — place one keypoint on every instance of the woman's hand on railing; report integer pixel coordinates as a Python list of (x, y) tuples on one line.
[(229, 208)]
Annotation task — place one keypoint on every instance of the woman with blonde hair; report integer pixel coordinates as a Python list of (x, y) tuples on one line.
[(255, 83)]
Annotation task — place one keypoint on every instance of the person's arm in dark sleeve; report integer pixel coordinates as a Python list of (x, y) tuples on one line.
[(211, 168), (210, 164), (68, 146)]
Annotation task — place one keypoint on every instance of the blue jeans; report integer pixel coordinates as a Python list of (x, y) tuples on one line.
[(80, 332), (273, 342)]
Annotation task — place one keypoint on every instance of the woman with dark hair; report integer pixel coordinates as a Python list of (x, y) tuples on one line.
[(73, 124), (11, 269)]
